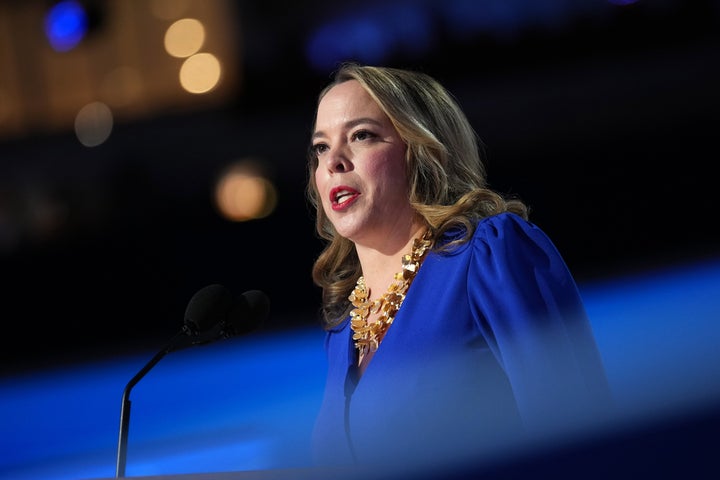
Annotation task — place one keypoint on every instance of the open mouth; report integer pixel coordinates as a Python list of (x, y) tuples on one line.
[(342, 197)]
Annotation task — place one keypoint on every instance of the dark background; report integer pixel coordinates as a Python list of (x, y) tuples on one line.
[(605, 122)]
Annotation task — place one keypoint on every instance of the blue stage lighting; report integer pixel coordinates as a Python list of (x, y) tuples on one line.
[(66, 23)]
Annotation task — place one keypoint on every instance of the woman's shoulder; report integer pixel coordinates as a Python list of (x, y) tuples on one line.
[(506, 226), (502, 222), (509, 230), (504, 239)]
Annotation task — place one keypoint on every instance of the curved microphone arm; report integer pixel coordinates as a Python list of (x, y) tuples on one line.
[(125, 409), (212, 314)]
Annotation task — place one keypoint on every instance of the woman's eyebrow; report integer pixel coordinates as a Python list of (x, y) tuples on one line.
[(350, 124)]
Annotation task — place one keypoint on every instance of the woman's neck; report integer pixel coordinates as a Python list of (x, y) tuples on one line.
[(379, 265)]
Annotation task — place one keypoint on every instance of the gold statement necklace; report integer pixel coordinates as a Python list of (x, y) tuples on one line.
[(368, 335)]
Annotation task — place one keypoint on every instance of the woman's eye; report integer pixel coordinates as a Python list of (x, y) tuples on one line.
[(362, 135), (318, 148)]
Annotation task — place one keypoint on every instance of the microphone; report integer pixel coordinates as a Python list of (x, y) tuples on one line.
[(214, 313), (211, 314)]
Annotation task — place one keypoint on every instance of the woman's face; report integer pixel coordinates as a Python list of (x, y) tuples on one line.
[(360, 175)]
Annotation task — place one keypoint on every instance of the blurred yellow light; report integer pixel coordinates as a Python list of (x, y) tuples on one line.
[(184, 37), (200, 73), (243, 194)]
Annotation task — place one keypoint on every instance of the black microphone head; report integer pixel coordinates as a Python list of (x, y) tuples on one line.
[(248, 312), (207, 308)]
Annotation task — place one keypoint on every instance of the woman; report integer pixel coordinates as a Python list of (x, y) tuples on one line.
[(453, 324)]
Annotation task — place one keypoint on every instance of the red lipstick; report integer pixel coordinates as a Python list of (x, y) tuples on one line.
[(341, 197)]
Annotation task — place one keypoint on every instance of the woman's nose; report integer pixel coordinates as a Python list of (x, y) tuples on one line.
[(337, 160)]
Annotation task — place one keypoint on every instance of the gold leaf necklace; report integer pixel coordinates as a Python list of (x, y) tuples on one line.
[(368, 335)]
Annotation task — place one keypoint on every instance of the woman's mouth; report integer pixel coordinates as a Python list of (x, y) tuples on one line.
[(342, 197)]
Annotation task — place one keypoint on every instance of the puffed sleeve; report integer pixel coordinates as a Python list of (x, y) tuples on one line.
[(527, 306)]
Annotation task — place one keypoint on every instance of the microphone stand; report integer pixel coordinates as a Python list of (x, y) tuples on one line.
[(125, 409), (204, 306)]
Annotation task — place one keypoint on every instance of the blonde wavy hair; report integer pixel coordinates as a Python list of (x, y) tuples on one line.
[(446, 176)]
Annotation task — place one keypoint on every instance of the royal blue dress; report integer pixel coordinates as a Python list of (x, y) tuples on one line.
[(492, 341)]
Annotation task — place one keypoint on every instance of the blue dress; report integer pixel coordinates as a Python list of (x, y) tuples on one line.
[(492, 341)]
